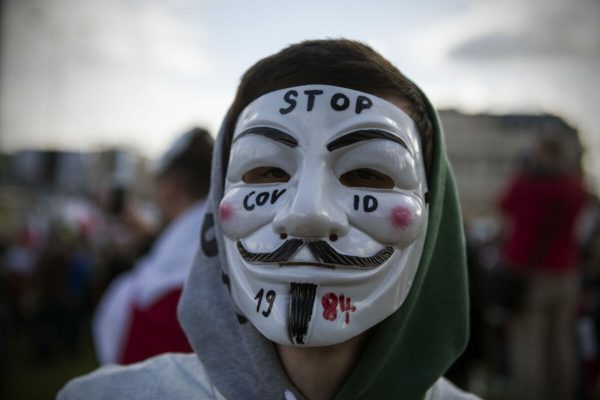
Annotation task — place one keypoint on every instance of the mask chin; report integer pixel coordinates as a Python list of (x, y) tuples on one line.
[(308, 305)]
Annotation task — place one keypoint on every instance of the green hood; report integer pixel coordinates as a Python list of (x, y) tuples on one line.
[(408, 351), (415, 346)]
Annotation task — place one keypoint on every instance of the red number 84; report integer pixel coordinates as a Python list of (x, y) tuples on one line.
[(330, 302)]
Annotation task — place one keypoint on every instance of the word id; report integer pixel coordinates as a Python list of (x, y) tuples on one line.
[(369, 202)]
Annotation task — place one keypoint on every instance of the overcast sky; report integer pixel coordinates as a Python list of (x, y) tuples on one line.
[(84, 73)]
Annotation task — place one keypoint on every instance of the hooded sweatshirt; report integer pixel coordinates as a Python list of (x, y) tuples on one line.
[(405, 358)]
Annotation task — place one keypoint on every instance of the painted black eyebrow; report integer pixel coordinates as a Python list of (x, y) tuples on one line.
[(271, 133), (364, 134)]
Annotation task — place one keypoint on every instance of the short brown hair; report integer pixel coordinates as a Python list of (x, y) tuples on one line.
[(337, 62)]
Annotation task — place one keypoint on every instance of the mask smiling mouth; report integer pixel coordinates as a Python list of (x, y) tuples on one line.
[(322, 251)]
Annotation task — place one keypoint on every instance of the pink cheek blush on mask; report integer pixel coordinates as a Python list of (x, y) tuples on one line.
[(226, 211), (401, 217)]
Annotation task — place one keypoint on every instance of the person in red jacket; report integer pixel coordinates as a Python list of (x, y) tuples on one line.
[(542, 205), (137, 318)]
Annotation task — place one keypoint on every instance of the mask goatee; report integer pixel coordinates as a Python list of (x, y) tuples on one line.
[(302, 298)]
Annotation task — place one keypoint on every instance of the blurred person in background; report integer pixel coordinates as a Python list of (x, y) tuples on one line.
[(136, 317), (542, 204), (589, 318), (127, 234)]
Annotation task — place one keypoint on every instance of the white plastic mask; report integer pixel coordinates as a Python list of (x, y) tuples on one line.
[(324, 213)]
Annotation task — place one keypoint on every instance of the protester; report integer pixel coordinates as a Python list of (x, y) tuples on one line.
[(542, 205), (332, 259), (136, 317)]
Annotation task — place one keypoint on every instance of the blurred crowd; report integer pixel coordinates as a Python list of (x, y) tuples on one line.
[(58, 262), (485, 364)]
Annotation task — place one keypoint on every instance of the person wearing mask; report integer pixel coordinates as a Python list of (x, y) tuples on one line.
[(332, 257)]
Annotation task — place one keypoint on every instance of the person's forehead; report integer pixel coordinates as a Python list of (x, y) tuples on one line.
[(317, 113)]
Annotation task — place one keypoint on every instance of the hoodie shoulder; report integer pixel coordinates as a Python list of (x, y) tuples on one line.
[(172, 376), (445, 390)]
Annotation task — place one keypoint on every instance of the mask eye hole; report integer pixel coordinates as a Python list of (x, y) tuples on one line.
[(367, 178), (266, 175)]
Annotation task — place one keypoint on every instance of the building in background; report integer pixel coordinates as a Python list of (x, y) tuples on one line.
[(485, 149), (47, 181)]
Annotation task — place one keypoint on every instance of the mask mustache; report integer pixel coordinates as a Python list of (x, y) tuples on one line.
[(320, 249)]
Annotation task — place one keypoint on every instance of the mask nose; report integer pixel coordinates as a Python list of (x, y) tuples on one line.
[(313, 212)]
